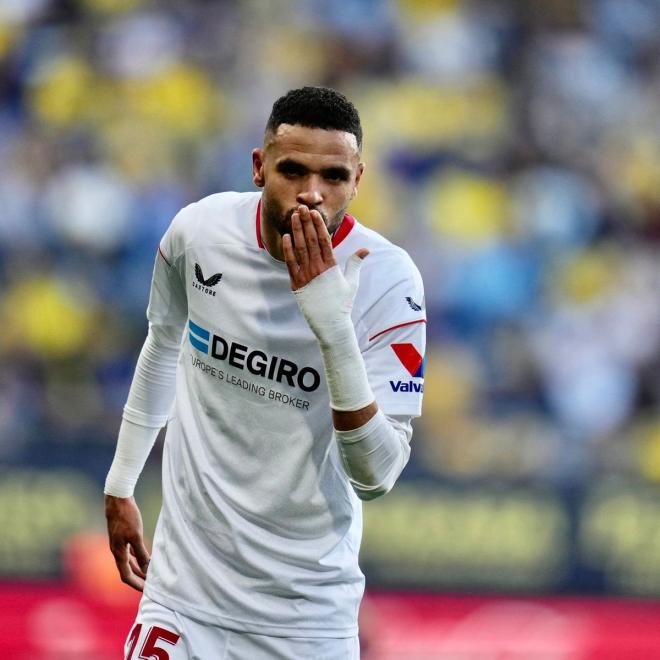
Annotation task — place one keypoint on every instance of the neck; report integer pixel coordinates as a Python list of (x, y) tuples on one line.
[(271, 239)]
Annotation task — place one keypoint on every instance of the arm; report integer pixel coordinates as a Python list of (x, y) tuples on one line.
[(373, 449), (149, 402), (375, 454), (146, 411)]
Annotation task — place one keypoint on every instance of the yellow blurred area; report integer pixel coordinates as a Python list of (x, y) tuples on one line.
[(470, 445), (48, 317), (587, 276), (416, 113), (470, 208), (180, 99), (419, 11), (64, 91), (640, 171), (647, 442), (376, 203), (451, 381), (292, 53), (9, 35), (450, 389), (112, 6), (139, 149)]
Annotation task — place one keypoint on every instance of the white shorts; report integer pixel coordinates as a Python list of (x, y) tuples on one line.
[(159, 632)]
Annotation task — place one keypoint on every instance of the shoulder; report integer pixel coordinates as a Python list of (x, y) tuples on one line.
[(387, 263), (227, 201), (219, 217), (216, 208)]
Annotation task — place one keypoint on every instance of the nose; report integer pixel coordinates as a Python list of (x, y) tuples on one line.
[(310, 195)]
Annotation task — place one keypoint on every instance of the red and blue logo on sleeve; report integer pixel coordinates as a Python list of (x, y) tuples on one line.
[(414, 363)]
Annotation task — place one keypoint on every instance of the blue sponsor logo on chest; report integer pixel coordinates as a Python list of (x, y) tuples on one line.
[(255, 361)]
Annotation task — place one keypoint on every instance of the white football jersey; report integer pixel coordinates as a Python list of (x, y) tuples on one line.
[(260, 528)]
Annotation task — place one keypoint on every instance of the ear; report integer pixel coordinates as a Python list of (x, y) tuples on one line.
[(258, 168), (358, 178)]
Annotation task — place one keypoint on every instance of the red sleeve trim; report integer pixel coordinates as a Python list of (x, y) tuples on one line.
[(394, 327), (164, 257)]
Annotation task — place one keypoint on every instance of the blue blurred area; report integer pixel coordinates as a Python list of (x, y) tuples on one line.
[(512, 148)]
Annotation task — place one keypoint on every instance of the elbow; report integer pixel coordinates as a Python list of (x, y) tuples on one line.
[(368, 495), (371, 492)]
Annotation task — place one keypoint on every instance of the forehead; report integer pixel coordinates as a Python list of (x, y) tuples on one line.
[(312, 144)]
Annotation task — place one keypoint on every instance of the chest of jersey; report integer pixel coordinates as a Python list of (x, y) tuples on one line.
[(245, 325)]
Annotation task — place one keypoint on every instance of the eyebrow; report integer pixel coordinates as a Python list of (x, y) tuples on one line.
[(336, 171)]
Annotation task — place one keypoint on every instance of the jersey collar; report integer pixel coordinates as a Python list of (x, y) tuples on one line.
[(344, 229)]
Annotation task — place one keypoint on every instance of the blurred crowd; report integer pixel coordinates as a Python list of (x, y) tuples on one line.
[(513, 148)]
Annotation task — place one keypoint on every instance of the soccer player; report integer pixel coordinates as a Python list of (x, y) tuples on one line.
[(288, 399)]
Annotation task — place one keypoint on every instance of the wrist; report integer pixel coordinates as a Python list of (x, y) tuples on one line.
[(345, 373), (335, 334)]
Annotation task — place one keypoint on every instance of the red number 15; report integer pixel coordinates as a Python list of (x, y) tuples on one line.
[(149, 648)]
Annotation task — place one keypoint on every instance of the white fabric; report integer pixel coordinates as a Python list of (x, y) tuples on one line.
[(260, 527), (326, 303), (134, 443), (145, 413), (152, 390), (374, 455), (193, 640)]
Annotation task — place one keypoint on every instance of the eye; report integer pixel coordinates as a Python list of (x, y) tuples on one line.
[(290, 170), (336, 176)]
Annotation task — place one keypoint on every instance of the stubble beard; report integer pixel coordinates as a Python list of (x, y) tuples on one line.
[(281, 220)]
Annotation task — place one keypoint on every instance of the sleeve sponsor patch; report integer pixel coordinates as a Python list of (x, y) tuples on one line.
[(410, 358)]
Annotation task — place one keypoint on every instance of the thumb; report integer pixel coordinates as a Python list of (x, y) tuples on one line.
[(353, 265)]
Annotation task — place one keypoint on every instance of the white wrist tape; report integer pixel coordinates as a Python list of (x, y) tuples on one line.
[(133, 446), (326, 303)]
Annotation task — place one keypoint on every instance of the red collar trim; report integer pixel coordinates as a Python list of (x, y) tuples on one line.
[(342, 232), (260, 243)]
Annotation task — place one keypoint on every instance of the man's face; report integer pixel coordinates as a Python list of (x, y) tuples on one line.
[(312, 166)]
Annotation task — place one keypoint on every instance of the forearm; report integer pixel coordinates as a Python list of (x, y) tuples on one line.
[(374, 454), (373, 450), (347, 420), (147, 408), (134, 444)]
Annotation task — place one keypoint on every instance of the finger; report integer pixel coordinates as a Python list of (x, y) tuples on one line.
[(135, 568), (311, 236), (290, 260), (122, 561), (325, 241), (299, 240), (141, 553), (353, 265)]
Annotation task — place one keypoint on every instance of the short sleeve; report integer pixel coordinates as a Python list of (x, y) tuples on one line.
[(168, 303), (392, 336)]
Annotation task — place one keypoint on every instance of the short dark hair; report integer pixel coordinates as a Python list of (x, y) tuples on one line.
[(316, 107)]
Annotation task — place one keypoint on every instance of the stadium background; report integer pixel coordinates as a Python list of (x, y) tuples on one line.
[(513, 148)]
